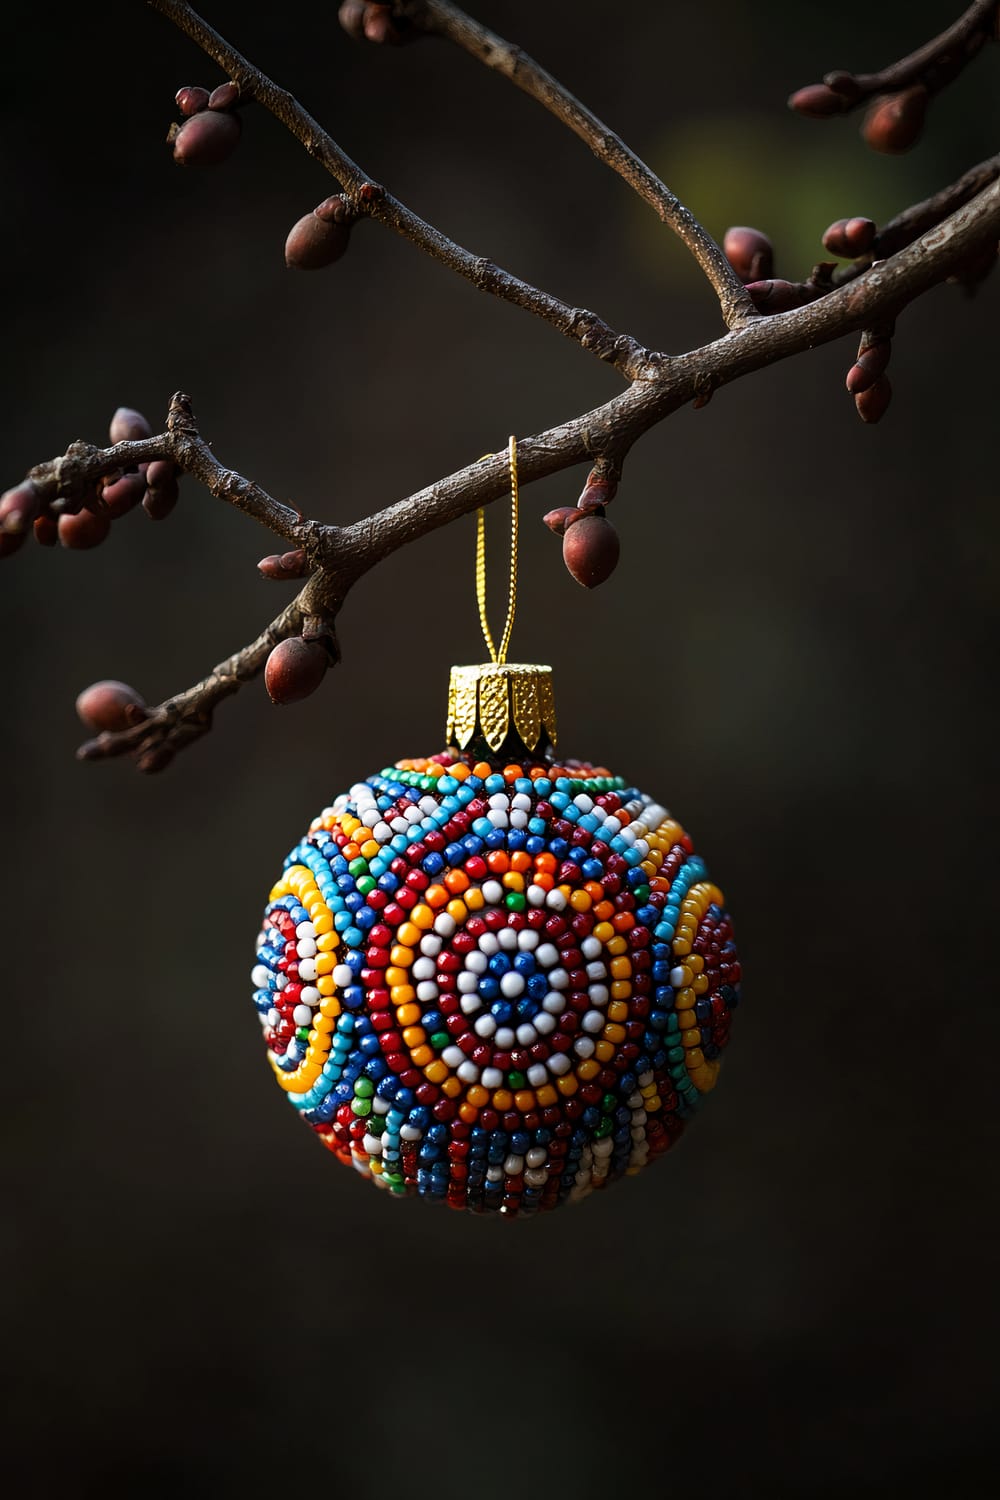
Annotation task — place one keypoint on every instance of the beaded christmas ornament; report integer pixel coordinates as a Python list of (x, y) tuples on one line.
[(490, 978)]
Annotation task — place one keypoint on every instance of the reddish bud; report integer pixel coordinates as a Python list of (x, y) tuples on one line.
[(817, 101), (850, 237), (128, 425), (894, 122), (778, 296), (161, 489), (564, 515), (46, 531), (871, 404), (106, 705), (378, 24), (334, 210), (155, 759), (224, 97), (590, 550), (207, 139), (598, 492), (191, 99), (125, 493), (749, 252), (280, 565), (86, 529), (843, 83), (295, 668), (871, 361), (313, 243), (18, 508), (351, 16)]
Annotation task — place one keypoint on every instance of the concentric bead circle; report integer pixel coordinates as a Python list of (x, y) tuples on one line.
[(498, 988)]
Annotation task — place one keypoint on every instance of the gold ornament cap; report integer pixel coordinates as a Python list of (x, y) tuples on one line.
[(508, 706)]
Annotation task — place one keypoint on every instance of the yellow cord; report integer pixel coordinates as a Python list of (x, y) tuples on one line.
[(500, 655)]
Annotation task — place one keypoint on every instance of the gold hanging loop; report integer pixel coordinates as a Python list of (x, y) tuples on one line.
[(499, 655)]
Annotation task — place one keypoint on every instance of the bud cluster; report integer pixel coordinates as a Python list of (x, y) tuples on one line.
[(366, 21), (87, 523), (867, 381), (211, 129), (590, 543)]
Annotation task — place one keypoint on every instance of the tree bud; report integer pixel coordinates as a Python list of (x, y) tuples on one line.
[(105, 706), (817, 101), (86, 529), (126, 493), (128, 425), (749, 252), (191, 99), (295, 668), (871, 361), (848, 238), (351, 16), (871, 404), (598, 492), (207, 139), (564, 515), (777, 296), (334, 210), (281, 565), (18, 508), (161, 489), (590, 550), (379, 25), (224, 97), (894, 122), (314, 242), (46, 531), (155, 759)]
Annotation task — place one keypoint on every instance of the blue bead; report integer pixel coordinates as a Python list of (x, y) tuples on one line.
[(432, 864), (488, 987), (534, 846), (501, 1011), (538, 986), (496, 838), (499, 964), (516, 838), (495, 783)]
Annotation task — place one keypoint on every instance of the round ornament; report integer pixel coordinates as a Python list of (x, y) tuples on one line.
[(493, 979)]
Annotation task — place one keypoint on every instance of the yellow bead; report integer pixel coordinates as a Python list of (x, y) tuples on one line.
[(401, 956), (370, 848), (588, 1069), (621, 968), (325, 963), (604, 932), (604, 1052), (695, 1059), (700, 984), (423, 1056), (691, 1038), (330, 1006), (620, 989), (567, 1084), (580, 901), (328, 940), (546, 1095), (321, 1022), (414, 1036), (685, 999), (402, 994), (613, 1033), (524, 1100), (451, 1088), (618, 1011), (325, 984), (474, 898), (408, 1015), (409, 934), (436, 1072), (502, 1099), (395, 977), (617, 946), (457, 910)]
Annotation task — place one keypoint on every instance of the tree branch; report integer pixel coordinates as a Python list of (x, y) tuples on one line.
[(447, 20), (621, 351)]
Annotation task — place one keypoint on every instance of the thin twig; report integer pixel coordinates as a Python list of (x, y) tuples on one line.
[(367, 197), (447, 20)]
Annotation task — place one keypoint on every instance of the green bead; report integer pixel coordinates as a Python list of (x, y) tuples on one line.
[(366, 885), (609, 1104), (362, 1106), (603, 1129), (302, 1034), (358, 867), (515, 900), (364, 1088), (640, 892), (440, 1039), (516, 1080)]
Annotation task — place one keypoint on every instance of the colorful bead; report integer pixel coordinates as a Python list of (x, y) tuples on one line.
[(495, 988)]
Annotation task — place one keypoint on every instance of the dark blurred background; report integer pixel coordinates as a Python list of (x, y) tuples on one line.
[(797, 654)]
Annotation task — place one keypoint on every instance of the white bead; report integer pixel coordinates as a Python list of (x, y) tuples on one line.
[(280, 980), (380, 1106), (544, 1022), (372, 1144), (527, 940), (558, 979), (536, 1177), (477, 962), (583, 1047), (492, 892), (430, 945), (412, 814), (305, 948), (310, 995), (507, 938), (424, 968), (677, 977), (305, 930), (536, 895), (547, 955), (343, 975), (453, 1056), (514, 1165), (599, 994), (399, 825), (427, 990), (484, 1025), (468, 1072), (307, 968), (470, 1003), (591, 947), (494, 1174), (527, 1036), (593, 1021), (505, 1038), (538, 1076), (611, 827), (500, 799), (382, 833), (559, 1063), (521, 801), (302, 1015), (468, 984), (554, 1003), (596, 971), (273, 1016), (492, 1078), (445, 924), (512, 984), (556, 900), (536, 1156), (488, 944), (497, 818), (518, 820), (429, 806), (583, 802), (261, 976), (645, 1079), (603, 1147), (410, 1133)]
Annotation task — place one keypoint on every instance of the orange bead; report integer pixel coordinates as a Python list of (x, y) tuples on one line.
[(497, 861), (436, 895), (478, 1096), (457, 881), (524, 1100), (520, 861), (548, 864)]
